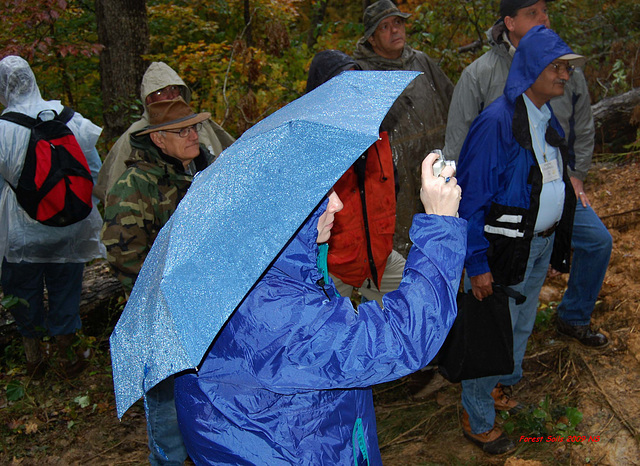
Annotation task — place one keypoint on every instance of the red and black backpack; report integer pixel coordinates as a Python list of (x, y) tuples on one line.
[(55, 184)]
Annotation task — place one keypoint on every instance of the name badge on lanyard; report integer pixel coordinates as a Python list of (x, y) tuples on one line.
[(550, 171)]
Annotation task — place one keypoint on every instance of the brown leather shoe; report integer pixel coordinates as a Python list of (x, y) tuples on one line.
[(583, 334), (69, 363), (494, 441), (503, 401), (36, 370)]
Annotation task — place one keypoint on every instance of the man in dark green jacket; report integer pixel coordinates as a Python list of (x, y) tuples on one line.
[(417, 120)]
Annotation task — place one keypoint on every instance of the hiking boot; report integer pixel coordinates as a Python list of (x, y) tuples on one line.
[(583, 334), (494, 441), (503, 401), (67, 360), (36, 365)]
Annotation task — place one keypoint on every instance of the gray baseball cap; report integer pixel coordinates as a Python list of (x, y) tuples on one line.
[(378, 11)]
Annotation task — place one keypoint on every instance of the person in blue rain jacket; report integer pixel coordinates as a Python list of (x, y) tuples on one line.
[(520, 204), (287, 380)]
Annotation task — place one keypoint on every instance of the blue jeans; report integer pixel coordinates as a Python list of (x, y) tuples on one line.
[(27, 280), (476, 393), (591, 244), (165, 439)]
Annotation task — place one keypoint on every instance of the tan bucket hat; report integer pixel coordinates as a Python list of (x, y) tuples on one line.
[(172, 114)]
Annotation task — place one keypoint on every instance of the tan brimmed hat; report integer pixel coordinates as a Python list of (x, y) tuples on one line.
[(172, 114), (574, 59)]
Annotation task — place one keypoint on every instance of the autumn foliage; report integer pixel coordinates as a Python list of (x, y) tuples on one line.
[(244, 59)]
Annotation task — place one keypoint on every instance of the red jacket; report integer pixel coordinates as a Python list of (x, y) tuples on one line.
[(362, 234)]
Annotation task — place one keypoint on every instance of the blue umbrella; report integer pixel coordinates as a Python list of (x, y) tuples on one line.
[(237, 216)]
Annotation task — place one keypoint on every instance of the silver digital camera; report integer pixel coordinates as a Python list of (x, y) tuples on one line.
[(441, 163)]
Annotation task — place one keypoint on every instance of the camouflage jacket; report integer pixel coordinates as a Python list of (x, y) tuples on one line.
[(140, 203)]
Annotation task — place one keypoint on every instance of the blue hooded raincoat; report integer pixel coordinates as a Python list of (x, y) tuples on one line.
[(500, 177), (287, 379)]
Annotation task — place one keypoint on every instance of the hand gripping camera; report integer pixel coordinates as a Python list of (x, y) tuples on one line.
[(439, 165)]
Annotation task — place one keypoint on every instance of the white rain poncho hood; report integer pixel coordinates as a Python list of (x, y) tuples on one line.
[(17, 83), (21, 237)]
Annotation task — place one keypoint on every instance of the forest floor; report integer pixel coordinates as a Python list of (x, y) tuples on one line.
[(587, 401)]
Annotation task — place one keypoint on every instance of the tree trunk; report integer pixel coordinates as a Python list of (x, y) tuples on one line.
[(100, 301), (101, 290), (124, 32), (316, 19), (247, 23), (616, 119)]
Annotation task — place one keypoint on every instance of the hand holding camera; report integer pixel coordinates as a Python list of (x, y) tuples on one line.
[(439, 193)]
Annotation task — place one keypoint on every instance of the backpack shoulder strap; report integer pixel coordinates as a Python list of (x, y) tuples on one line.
[(65, 114), (19, 119)]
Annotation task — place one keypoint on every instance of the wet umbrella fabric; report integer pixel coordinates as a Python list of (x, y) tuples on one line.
[(237, 216)]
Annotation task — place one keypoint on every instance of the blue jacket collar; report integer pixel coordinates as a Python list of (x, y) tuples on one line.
[(299, 258)]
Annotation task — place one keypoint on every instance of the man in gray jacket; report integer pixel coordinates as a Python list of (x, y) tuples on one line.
[(160, 82), (479, 85), (417, 120)]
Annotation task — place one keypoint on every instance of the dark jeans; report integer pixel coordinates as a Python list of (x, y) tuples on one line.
[(476, 393), (27, 280), (591, 242)]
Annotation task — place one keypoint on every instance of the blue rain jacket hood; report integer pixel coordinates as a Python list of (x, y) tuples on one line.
[(287, 379), (537, 49), (298, 259)]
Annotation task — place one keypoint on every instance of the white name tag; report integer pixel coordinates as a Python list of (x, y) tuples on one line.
[(550, 171)]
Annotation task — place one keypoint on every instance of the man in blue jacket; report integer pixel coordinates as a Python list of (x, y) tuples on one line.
[(480, 84), (519, 205)]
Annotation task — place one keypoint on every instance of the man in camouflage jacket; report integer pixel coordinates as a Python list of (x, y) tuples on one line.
[(159, 172), (141, 202)]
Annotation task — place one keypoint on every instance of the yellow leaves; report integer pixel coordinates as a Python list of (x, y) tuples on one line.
[(30, 428), (240, 74), (300, 86)]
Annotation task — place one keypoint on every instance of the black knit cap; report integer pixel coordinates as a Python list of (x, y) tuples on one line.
[(511, 7), (326, 65)]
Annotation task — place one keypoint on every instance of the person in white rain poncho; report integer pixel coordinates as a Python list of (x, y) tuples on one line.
[(33, 253)]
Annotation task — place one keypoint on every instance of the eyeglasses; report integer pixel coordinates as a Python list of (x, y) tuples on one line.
[(184, 132), (166, 91), (560, 67)]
